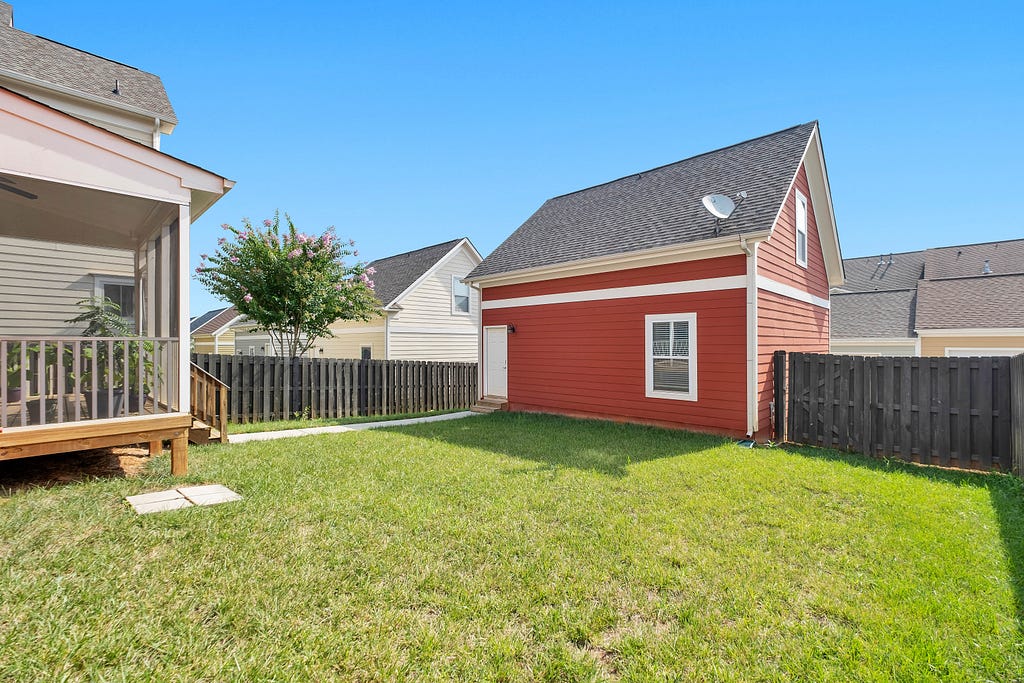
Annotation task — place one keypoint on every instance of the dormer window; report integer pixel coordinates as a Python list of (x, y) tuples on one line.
[(801, 230)]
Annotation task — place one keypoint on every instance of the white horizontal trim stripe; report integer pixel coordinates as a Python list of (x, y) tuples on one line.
[(790, 292), (356, 330), (396, 329), (685, 287), (973, 332)]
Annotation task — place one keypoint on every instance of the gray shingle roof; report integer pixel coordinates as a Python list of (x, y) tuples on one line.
[(968, 260), (395, 273), (986, 301), (53, 62), (211, 321), (875, 273), (657, 208), (874, 315)]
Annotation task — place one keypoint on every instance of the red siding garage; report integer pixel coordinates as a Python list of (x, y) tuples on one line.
[(587, 358)]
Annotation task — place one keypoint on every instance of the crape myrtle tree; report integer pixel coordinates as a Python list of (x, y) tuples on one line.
[(289, 283)]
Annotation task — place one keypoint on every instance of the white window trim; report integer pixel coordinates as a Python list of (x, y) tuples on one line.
[(99, 281), (650, 392), (801, 199), (469, 297)]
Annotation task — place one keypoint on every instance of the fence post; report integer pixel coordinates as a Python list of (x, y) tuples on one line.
[(779, 384), (1017, 412)]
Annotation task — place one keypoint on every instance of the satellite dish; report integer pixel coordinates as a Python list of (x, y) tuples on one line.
[(718, 205)]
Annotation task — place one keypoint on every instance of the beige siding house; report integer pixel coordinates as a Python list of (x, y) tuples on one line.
[(44, 281), (212, 332), (964, 300), (427, 312), (89, 207)]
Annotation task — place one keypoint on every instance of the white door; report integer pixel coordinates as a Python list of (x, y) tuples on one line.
[(496, 361)]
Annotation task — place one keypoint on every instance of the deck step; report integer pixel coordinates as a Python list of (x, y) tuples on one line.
[(489, 404), (200, 433)]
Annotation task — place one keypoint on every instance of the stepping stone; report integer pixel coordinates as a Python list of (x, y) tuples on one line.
[(209, 495), (160, 501), (184, 497)]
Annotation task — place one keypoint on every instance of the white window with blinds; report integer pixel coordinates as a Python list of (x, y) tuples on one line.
[(801, 230), (671, 356), (460, 295)]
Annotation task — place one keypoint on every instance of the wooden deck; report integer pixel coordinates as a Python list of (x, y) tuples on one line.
[(26, 442)]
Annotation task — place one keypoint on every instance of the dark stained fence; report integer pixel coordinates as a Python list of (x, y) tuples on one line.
[(263, 388), (1017, 409), (953, 412)]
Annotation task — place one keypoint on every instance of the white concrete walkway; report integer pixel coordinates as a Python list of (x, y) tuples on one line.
[(336, 429)]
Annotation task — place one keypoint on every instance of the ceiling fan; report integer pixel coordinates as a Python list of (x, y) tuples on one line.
[(8, 184)]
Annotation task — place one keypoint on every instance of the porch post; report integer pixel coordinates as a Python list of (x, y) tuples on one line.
[(184, 357)]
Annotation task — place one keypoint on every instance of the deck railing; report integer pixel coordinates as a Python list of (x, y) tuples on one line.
[(53, 380), (208, 400)]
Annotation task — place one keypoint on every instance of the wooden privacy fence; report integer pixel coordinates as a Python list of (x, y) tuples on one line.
[(939, 411), (265, 388)]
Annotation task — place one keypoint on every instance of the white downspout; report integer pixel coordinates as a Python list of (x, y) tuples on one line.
[(156, 133), (387, 336), (752, 347), (479, 338)]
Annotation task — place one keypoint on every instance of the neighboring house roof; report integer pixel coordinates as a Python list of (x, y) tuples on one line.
[(660, 207), (211, 322), (993, 301), (937, 288), (968, 260), (395, 274), (884, 272), (873, 315), (40, 59)]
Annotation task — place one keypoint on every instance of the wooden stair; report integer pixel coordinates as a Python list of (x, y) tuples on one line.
[(209, 408), (201, 433), (489, 404)]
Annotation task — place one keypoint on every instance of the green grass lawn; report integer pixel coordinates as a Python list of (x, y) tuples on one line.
[(513, 547), (305, 423)]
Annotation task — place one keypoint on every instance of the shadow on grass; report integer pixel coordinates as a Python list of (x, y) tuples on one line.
[(1005, 491), (555, 442), (47, 471)]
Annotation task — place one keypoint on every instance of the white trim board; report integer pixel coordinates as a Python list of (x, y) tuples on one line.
[(395, 329), (791, 292), (660, 289), (974, 332), (357, 330), (969, 352)]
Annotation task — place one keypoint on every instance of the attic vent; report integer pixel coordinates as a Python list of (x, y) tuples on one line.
[(987, 270)]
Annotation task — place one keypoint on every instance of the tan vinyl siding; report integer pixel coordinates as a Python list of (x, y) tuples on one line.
[(348, 342), (866, 347), (434, 346), (41, 282), (936, 346), (204, 343), (426, 328)]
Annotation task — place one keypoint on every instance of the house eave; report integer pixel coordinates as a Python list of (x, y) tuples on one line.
[(167, 124), (691, 251)]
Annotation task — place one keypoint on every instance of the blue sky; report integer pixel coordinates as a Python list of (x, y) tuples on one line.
[(407, 124)]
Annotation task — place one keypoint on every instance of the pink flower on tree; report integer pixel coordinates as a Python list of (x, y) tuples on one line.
[(295, 253), (267, 223), (247, 298)]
